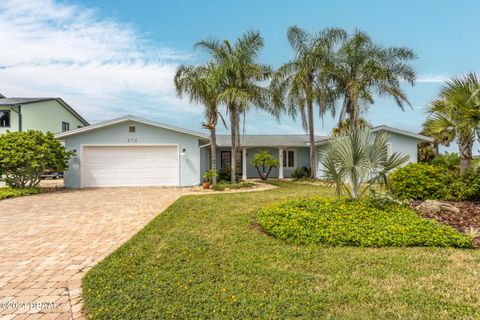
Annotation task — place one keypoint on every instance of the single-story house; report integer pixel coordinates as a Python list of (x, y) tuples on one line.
[(131, 151)]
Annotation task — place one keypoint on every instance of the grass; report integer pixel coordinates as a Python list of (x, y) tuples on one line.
[(7, 192), (202, 258), (355, 223)]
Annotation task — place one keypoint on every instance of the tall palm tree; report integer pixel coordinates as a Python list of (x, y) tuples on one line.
[(363, 69), (240, 78), (305, 81), (455, 115), (200, 84)]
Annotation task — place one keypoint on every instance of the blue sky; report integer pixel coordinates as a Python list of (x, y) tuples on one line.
[(109, 58)]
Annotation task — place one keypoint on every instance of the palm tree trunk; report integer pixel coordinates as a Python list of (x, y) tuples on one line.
[(465, 148), (311, 135), (213, 153), (233, 133), (238, 153), (353, 115)]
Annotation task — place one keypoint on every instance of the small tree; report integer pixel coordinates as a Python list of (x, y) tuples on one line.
[(356, 160), (264, 159), (25, 156)]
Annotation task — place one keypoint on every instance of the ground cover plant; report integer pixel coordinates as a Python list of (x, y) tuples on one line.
[(8, 192), (203, 258), (355, 223)]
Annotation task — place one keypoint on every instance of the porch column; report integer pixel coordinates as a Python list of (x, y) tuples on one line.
[(244, 163), (280, 163)]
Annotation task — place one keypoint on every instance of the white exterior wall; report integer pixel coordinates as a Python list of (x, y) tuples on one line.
[(118, 134)]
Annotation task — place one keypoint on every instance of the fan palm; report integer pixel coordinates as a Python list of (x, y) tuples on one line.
[(363, 69), (305, 80), (240, 78), (200, 84), (455, 116), (356, 160)]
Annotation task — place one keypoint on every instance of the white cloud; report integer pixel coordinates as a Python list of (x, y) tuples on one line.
[(102, 67), (433, 78)]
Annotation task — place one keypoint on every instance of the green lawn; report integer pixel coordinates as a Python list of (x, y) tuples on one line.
[(202, 258)]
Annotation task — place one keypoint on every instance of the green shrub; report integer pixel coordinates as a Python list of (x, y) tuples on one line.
[(224, 174), (466, 186), (300, 173), (449, 161), (355, 223), (420, 181), (8, 192), (25, 156)]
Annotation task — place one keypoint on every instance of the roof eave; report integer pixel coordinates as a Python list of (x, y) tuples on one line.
[(403, 132), (72, 111), (59, 100), (125, 119)]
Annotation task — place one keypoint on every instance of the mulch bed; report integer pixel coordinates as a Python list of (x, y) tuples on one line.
[(469, 216), (51, 189)]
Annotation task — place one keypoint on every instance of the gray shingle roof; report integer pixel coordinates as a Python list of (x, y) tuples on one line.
[(268, 140), (14, 101)]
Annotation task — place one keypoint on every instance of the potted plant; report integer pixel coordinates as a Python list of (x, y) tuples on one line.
[(208, 177)]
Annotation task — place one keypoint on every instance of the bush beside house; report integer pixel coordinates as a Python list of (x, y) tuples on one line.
[(25, 156), (420, 181)]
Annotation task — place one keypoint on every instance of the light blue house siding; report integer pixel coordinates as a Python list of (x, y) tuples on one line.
[(118, 134), (405, 145), (302, 156)]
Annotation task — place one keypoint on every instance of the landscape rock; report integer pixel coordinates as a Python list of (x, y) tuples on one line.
[(432, 207)]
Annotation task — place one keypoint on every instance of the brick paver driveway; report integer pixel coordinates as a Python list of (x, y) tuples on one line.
[(49, 241)]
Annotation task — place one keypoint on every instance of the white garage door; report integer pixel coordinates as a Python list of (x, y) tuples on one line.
[(114, 166)]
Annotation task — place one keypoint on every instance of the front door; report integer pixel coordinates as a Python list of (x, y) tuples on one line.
[(226, 160)]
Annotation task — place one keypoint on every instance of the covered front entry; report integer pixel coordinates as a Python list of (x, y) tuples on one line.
[(136, 165), (290, 158)]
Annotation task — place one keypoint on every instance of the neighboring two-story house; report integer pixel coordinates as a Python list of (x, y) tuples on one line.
[(44, 114)]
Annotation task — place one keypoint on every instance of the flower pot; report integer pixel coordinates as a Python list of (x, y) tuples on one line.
[(206, 185)]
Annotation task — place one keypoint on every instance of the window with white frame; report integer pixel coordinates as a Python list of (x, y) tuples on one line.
[(289, 158)]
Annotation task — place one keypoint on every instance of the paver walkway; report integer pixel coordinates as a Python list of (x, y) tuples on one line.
[(49, 241)]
